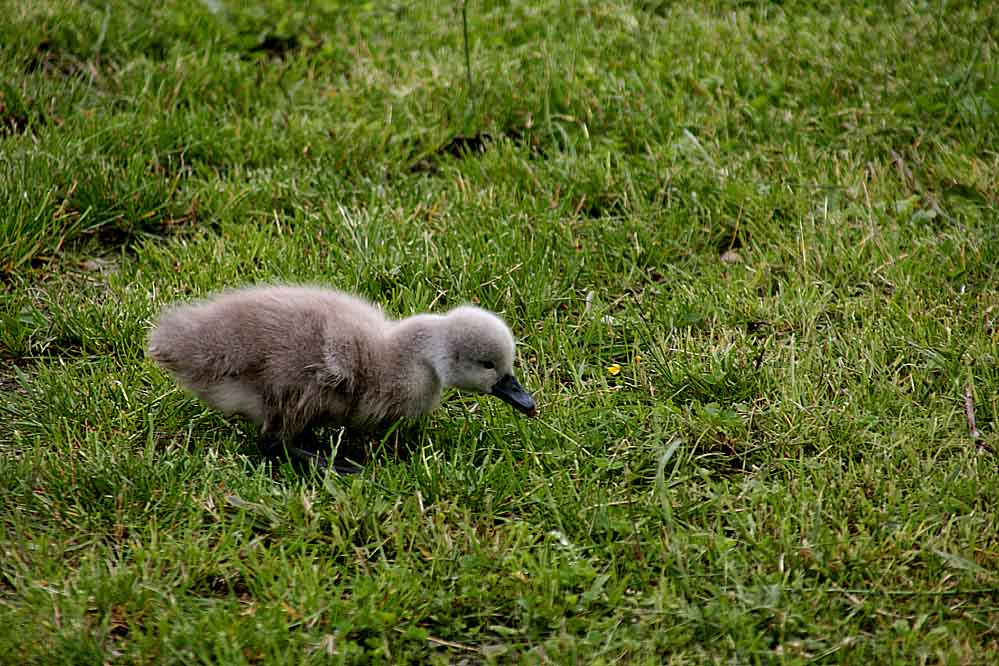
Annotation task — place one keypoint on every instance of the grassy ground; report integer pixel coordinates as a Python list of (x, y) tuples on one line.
[(776, 222)]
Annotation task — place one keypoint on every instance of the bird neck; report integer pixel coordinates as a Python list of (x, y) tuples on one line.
[(420, 348)]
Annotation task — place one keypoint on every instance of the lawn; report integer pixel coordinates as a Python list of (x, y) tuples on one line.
[(749, 251)]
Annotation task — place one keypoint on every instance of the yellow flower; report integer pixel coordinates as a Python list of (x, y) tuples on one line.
[(614, 369)]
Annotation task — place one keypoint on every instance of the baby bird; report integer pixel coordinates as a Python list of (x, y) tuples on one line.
[(291, 358)]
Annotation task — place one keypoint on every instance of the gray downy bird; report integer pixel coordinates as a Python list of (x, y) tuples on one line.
[(293, 358)]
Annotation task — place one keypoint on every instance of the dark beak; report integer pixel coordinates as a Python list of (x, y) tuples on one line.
[(508, 390)]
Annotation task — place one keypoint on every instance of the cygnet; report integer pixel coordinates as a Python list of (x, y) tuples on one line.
[(292, 358)]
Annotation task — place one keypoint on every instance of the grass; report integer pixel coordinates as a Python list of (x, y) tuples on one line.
[(778, 220)]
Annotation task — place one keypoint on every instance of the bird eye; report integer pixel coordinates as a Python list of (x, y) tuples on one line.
[(488, 365)]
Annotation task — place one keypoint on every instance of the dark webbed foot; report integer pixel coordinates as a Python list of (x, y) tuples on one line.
[(318, 461), (302, 453)]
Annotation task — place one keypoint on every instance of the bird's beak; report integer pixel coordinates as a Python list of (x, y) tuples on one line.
[(509, 390)]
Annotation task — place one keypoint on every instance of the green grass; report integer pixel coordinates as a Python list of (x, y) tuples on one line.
[(779, 220)]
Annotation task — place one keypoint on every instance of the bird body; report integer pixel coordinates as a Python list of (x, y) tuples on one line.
[(291, 358)]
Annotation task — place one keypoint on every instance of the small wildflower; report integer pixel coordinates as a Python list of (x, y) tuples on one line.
[(614, 369), (638, 358)]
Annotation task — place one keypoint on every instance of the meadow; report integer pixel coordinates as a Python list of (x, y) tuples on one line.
[(749, 250)]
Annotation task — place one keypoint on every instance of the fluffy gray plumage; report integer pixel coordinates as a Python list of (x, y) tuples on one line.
[(294, 357)]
